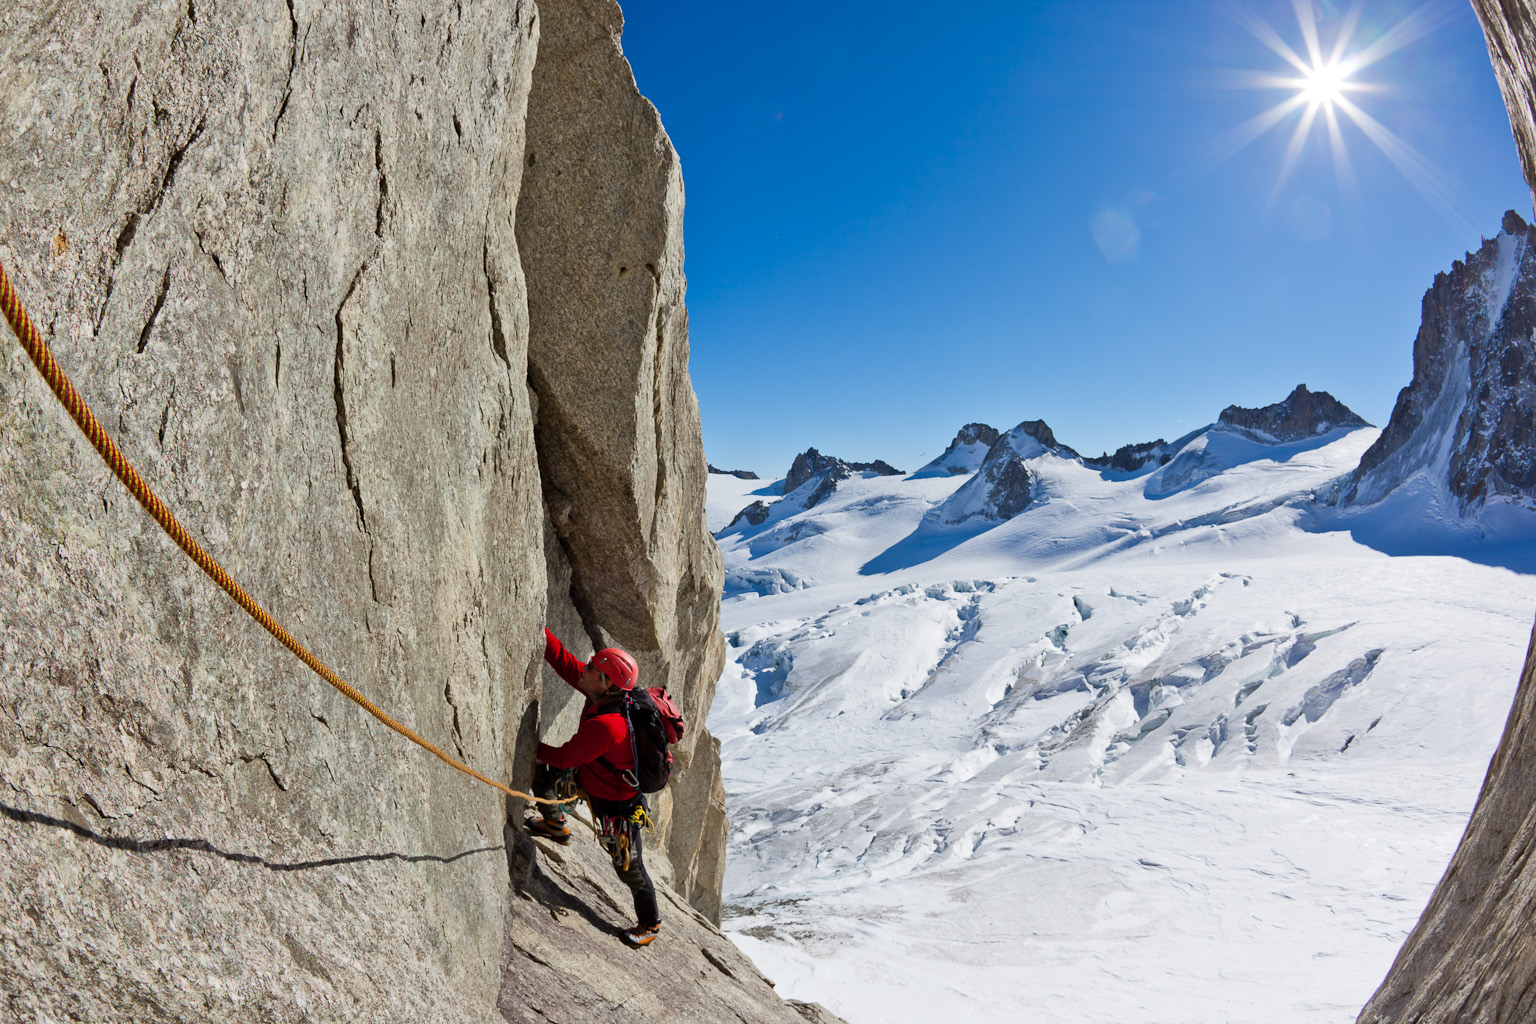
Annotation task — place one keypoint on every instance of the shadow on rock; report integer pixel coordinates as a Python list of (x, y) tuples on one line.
[(204, 846), (532, 882)]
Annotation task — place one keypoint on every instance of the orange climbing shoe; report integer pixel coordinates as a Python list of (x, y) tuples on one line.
[(642, 936), (559, 831)]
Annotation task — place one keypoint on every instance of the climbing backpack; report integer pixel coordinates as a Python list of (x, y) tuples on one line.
[(655, 723)]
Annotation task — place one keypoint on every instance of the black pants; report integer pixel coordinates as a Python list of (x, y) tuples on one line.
[(546, 784)]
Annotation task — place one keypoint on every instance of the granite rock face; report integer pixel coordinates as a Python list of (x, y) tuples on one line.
[(301, 259), (599, 227), (1467, 420), (1301, 415), (563, 961)]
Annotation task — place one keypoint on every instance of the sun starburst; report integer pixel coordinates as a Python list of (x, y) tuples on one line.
[(1318, 85)]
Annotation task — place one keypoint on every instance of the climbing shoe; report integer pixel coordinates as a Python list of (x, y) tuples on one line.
[(642, 936), (559, 831)]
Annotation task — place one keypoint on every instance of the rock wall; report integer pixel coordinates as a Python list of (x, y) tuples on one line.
[(600, 228), (305, 261), (1471, 958)]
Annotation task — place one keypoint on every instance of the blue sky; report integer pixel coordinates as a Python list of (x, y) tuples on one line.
[(900, 220)]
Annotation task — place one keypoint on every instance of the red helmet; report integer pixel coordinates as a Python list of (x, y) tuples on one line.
[(617, 665)]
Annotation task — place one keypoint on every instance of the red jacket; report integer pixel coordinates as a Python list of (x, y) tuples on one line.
[(602, 733)]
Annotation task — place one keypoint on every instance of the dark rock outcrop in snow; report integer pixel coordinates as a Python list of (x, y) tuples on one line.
[(1472, 957), (975, 433), (457, 411), (1467, 420), (1303, 414), (811, 462), (1130, 457), (739, 474), (754, 514)]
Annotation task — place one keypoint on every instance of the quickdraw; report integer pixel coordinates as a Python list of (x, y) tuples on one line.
[(620, 833)]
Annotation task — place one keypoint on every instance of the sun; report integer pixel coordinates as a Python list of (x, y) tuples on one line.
[(1326, 83), (1320, 87)]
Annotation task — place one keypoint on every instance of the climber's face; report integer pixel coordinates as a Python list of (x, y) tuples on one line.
[(593, 683)]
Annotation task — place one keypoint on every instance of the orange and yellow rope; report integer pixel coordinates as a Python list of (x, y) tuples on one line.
[(64, 389)]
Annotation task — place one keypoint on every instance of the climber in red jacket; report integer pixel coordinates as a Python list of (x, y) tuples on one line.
[(603, 758)]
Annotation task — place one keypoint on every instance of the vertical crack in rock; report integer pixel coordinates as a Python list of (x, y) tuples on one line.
[(149, 325), (130, 229), (378, 163), (341, 399), (125, 236), (458, 735), (293, 60), (658, 411), (172, 166), (165, 419), (498, 334)]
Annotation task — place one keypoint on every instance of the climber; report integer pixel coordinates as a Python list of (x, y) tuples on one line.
[(603, 759)]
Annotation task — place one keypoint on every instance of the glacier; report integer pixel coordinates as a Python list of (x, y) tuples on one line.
[(1179, 744)]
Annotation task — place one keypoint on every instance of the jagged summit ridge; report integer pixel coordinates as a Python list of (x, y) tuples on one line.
[(1302, 414), (811, 463), (1467, 420), (1128, 458)]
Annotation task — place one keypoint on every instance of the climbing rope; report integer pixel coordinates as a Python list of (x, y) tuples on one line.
[(65, 391)]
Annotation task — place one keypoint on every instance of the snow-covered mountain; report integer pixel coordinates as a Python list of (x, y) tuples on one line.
[(1003, 486), (1151, 744)]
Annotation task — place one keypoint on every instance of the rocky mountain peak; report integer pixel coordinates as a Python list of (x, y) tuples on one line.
[(811, 463), (1040, 431), (1467, 419), (964, 453), (1003, 485), (975, 433), (1301, 415)]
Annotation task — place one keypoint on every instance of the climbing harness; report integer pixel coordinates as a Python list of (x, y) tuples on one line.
[(621, 832), (65, 391)]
